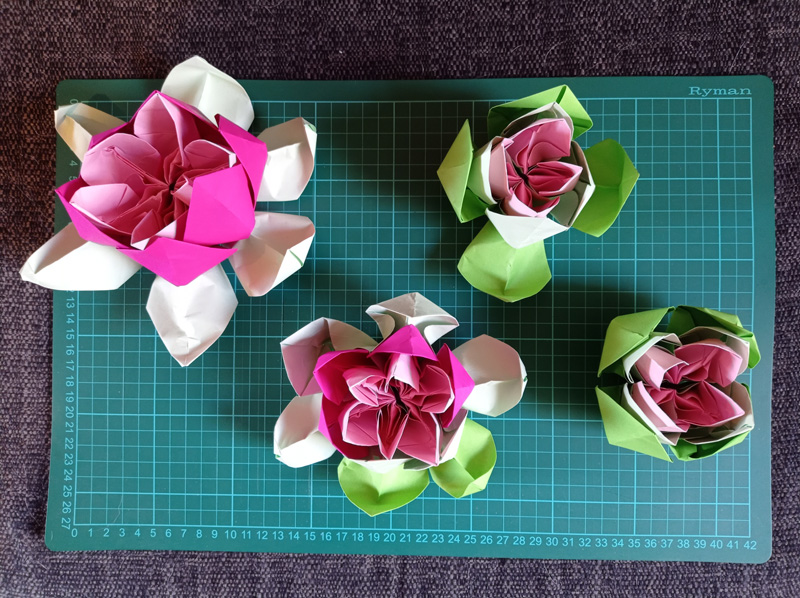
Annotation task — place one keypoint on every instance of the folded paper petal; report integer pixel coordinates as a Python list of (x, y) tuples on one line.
[(522, 231), (412, 309), (498, 372), (502, 115), (190, 318), (624, 429), (276, 249), (491, 265), (76, 124), (687, 317), (290, 161), (738, 345), (406, 341), (68, 263), (454, 173), (298, 441), (627, 332), (251, 151), (376, 493), (710, 360), (213, 92), (302, 350), (740, 425), (469, 471)]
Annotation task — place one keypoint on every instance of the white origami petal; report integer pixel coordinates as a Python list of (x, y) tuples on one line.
[(451, 437), (78, 123), (276, 249), (521, 231), (191, 317), (68, 263), (551, 110), (290, 159), (498, 372), (298, 441), (211, 91), (571, 203), (656, 337), (302, 350), (412, 309), (631, 407), (478, 180)]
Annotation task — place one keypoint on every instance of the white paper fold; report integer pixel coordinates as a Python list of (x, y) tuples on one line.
[(78, 123), (68, 263), (276, 249), (412, 309), (290, 159), (498, 372), (298, 441), (199, 84), (190, 318)]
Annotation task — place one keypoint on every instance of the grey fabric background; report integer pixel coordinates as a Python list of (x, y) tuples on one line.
[(44, 42)]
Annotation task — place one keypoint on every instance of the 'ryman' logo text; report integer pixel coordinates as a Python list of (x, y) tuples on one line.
[(704, 93)]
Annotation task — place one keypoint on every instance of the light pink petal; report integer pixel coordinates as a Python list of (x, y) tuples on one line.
[(366, 385), (546, 139), (407, 340), (463, 384), (706, 406), (251, 151), (652, 411), (154, 123), (404, 368), (654, 364), (360, 425), (330, 427), (422, 439), (712, 360), (86, 227), (122, 158), (392, 424), (554, 178), (221, 209), (103, 204), (514, 206), (204, 155), (176, 261)]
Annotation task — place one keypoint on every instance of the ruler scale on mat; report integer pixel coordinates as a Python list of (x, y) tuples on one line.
[(149, 455)]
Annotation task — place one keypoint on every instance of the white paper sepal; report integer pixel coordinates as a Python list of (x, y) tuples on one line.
[(298, 441), (291, 147), (412, 309), (76, 124)]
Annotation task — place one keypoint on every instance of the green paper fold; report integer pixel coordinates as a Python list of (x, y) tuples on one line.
[(686, 451), (491, 265), (625, 333), (500, 116), (375, 493), (454, 174), (687, 317), (623, 429), (614, 175), (469, 471)]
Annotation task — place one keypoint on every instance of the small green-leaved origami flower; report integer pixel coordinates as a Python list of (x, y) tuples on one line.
[(533, 181), (680, 385)]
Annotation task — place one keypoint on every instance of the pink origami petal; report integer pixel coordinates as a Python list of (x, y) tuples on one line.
[(404, 368), (251, 151), (154, 123), (712, 360), (329, 373), (513, 206), (463, 384), (330, 428), (87, 228), (407, 340), (422, 439), (546, 139), (554, 178), (221, 210), (392, 422), (204, 155), (176, 261), (655, 362), (360, 425), (706, 406), (435, 393), (103, 204), (122, 158), (652, 411), (367, 385)]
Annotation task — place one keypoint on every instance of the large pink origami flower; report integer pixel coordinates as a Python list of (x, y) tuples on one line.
[(400, 396), (175, 190)]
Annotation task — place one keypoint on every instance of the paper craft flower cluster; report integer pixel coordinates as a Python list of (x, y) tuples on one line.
[(396, 410), (680, 385), (175, 190), (533, 181)]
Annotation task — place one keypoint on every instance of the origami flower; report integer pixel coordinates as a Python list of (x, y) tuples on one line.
[(533, 181), (681, 387), (396, 409), (175, 190)]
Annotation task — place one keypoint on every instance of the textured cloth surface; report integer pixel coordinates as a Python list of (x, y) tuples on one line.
[(45, 42)]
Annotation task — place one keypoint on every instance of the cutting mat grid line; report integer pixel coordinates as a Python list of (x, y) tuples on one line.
[(159, 446)]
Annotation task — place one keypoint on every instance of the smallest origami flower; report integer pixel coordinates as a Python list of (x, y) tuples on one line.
[(681, 387), (396, 409), (532, 180)]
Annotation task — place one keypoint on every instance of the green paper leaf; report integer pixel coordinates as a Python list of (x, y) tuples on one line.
[(687, 317), (494, 267), (500, 116), (623, 429), (469, 471), (376, 493), (686, 451), (614, 176), (454, 174), (625, 333)]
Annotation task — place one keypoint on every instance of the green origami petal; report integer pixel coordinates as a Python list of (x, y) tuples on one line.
[(469, 471), (626, 333), (376, 493), (623, 429), (491, 265), (454, 173), (686, 451), (614, 176), (687, 317), (500, 116)]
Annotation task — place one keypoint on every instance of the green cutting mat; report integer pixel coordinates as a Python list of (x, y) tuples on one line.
[(147, 454)]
